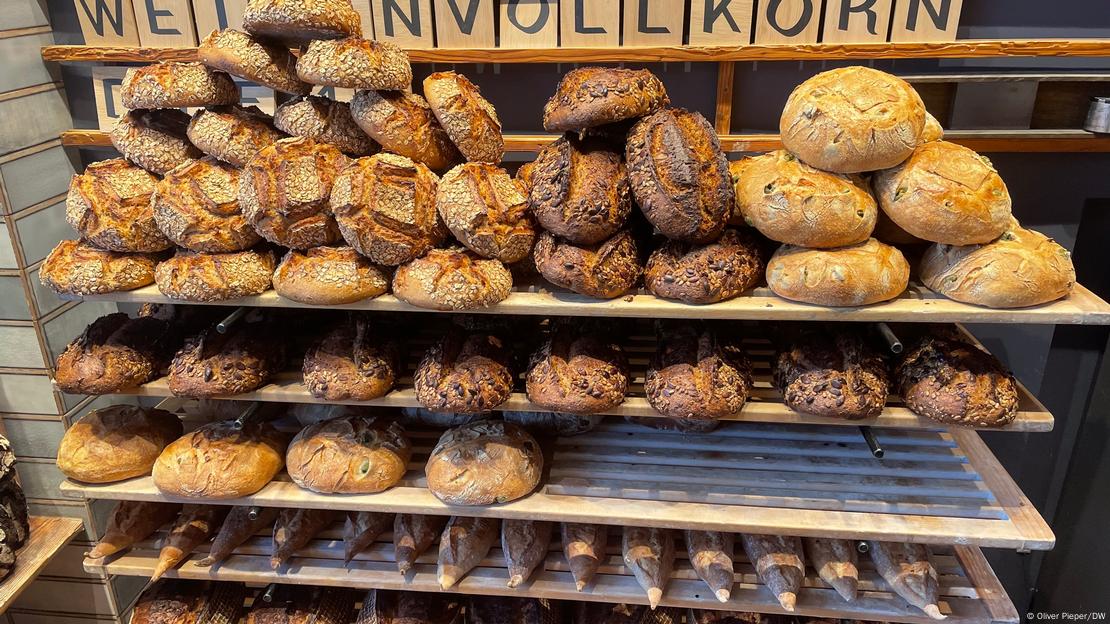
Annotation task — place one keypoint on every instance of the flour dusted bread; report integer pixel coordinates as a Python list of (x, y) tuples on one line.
[(404, 124), (234, 134), (697, 373), (836, 562), (604, 270), (357, 360), (577, 371), (487, 211), (780, 563), (834, 373), (467, 117), (858, 275), (717, 271), (483, 463), (584, 548), (191, 276), (254, 59), (349, 455), (452, 279), (154, 139), (355, 63), (196, 205), (710, 554), (176, 85), (109, 206), (214, 364), (593, 96), (78, 268), (115, 443), (113, 353), (464, 373), (412, 535), (296, 22), (907, 570), (328, 276), (219, 461), (852, 119), (325, 120)]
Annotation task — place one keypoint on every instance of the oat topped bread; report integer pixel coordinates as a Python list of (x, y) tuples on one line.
[(485, 209), (452, 279), (251, 58), (328, 276), (468, 118), (109, 206), (325, 120), (234, 134), (154, 139), (191, 276), (297, 22), (197, 207), (176, 85), (593, 96), (403, 123), (78, 268), (355, 63)]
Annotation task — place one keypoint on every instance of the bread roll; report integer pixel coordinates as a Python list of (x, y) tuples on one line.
[(109, 206), (862, 274), (932, 130), (355, 63), (154, 139), (361, 529), (710, 554), (452, 279), (197, 207), (386, 208), (717, 271), (194, 526), (592, 96), (577, 371), (294, 529), (407, 607), (131, 522), (679, 175), (116, 443), (1021, 268), (284, 192), (852, 119), (524, 544), (468, 118), (218, 461), (584, 547), (213, 364), (780, 563), (404, 124), (834, 373), (241, 524), (114, 353), (78, 268), (412, 535), (484, 463), (328, 276), (464, 372), (907, 570), (350, 455), (697, 374), (649, 553), (791, 202), (485, 209), (463, 545), (253, 59), (604, 270), (945, 193), (579, 189), (327, 121), (191, 276), (176, 85), (296, 22), (836, 562), (234, 134)]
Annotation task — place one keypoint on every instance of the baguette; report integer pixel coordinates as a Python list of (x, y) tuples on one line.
[(710, 554), (584, 547), (130, 522), (837, 562), (906, 568), (463, 545), (237, 528), (780, 563), (361, 529), (649, 553), (524, 543), (193, 527), (412, 535), (294, 529)]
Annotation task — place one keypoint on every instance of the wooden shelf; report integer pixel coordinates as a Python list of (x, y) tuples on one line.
[(47, 537), (933, 487), (970, 592)]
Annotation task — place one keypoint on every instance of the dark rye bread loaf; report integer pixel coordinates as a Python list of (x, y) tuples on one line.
[(697, 373), (834, 373), (708, 273), (464, 373), (579, 189), (327, 121), (109, 206), (357, 360), (467, 117), (197, 207), (604, 270), (154, 139), (403, 123), (114, 352), (78, 268), (254, 59), (212, 364), (487, 211), (355, 63), (593, 96), (234, 134), (484, 463), (578, 371)]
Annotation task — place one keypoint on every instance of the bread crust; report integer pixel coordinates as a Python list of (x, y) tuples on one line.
[(404, 123), (578, 372), (484, 463), (234, 134), (832, 373), (113, 353), (324, 120), (579, 189), (197, 207), (116, 443), (154, 139), (932, 131), (955, 382), (218, 461), (452, 279), (946, 193), (718, 271), (679, 175), (349, 455), (592, 96), (606, 270), (78, 268), (696, 373), (464, 373), (862, 274), (554, 423), (355, 63), (357, 360), (297, 22), (852, 119), (468, 118), (176, 85), (191, 276), (214, 364), (328, 276), (241, 54), (485, 209), (109, 205)]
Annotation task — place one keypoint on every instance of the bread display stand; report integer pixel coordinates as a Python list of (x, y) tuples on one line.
[(44, 541)]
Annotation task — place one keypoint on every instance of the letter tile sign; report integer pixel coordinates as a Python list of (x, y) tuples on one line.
[(590, 24), (720, 22), (165, 23), (465, 24), (217, 15), (109, 107), (529, 23), (107, 22), (926, 20), (653, 22), (788, 21), (856, 21), (408, 23)]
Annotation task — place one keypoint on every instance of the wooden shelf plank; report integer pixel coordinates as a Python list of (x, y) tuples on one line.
[(47, 537)]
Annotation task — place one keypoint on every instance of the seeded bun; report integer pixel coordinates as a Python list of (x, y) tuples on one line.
[(485, 209), (297, 22), (78, 268), (176, 85), (588, 97), (468, 118), (721, 270), (197, 207), (862, 274), (355, 63), (403, 123), (328, 276), (109, 206), (154, 139), (234, 134), (190, 276), (248, 57), (605, 270), (325, 120), (452, 279)]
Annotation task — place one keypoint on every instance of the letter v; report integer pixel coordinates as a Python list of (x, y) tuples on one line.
[(466, 24)]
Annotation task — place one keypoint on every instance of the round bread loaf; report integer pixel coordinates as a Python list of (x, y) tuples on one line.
[(709, 273), (349, 455), (697, 374), (386, 208), (833, 373), (319, 118), (109, 206), (862, 274), (218, 461), (933, 131), (191, 276), (420, 417), (1022, 268), (357, 360), (605, 270), (214, 364), (113, 353), (592, 96), (284, 192), (579, 189), (197, 207), (328, 276), (577, 371), (234, 134), (679, 175), (485, 209), (484, 463), (452, 279), (78, 268), (852, 119), (790, 202), (464, 373), (554, 423), (956, 383), (297, 22), (176, 85), (467, 117), (403, 123), (154, 139), (248, 57), (945, 193), (355, 63), (116, 443)]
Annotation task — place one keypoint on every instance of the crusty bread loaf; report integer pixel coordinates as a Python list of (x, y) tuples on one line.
[(355, 63), (485, 209), (195, 525), (328, 121), (554, 423), (297, 22), (1021, 268), (412, 535), (234, 134), (214, 364), (584, 547), (176, 85), (484, 463), (779, 561), (116, 443), (858, 275), (109, 206), (679, 175), (467, 117), (710, 554), (579, 189), (452, 279), (649, 554), (197, 207), (932, 131), (78, 268), (836, 562), (577, 371), (790, 202), (463, 545), (697, 373), (284, 192), (907, 570), (218, 461), (192, 276), (386, 208), (357, 360), (525, 544), (708, 273), (406, 607), (113, 353), (328, 276), (403, 123), (349, 455), (604, 270), (852, 119), (833, 373), (592, 96), (154, 139), (242, 523), (464, 373), (178, 600), (244, 55), (130, 522), (945, 193)]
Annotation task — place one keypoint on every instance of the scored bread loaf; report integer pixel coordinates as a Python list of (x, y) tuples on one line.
[(219, 461), (588, 97), (113, 353), (577, 371), (154, 139), (325, 120), (234, 134), (452, 279), (78, 268), (605, 270), (485, 209), (404, 124), (717, 271), (297, 22), (196, 205), (357, 360), (349, 455), (468, 119), (109, 206), (649, 553), (328, 276), (412, 535), (697, 373), (355, 63), (194, 526), (858, 275), (834, 373), (361, 529), (115, 443), (191, 276), (131, 522), (483, 463), (464, 373), (176, 85), (251, 58), (463, 545), (214, 364)]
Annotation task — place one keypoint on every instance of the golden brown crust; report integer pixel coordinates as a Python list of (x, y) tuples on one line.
[(594, 96), (218, 461), (131, 521), (116, 443), (605, 270), (932, 131), (297, 22), (214, 364), (485, 209), (834, 374), (954, 382), (468, 118), (349, 455), (154, 139), (109, 205), (357, 360), (355, 63), (579, 189), (113, 353), (176, 85), (452, 279), (464, 373), (484, 463), (192, 276), (325, 120), (719, 271), (197, 207), (862, 274), (403, 123), (246, 56), (234, 134), (577, 371), (696, 373), (78, 268), (464, 544), (328, 276)]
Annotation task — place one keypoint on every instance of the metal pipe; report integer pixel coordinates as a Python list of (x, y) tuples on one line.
[(891, 340), (224, 325), (254, 512), (863, 547), (872, 443), (241, 421), (268, 595)]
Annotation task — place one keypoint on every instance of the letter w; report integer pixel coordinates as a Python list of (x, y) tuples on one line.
[(103, 11)]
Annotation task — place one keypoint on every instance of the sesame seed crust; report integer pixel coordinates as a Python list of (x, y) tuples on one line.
[(154, 139), (78, 268), (109, 205), (355, 63), (243, 55), (468, 118), (197, 207), (176, 85), (325, 120), (234, 134), (192, 276)]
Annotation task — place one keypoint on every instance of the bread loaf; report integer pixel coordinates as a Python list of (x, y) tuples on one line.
[(412, 535), (483, 463), (592, 96), (78, 268), (834, 373), (697, 373), (194, 526), (945, 193), (717, 271), (109, 206), (301, 604), (241, 524), (578, 372), (452, 279), (131, 522), (349, 455), (328, 276), (406, 607), (554, 423), (116, 443), (297, 22), (1021, 268), (710, 554), (486, 210), (234, 134), (251, 58), (852, 119), (525, 544), (579, 189), (464, 373), (468, 119), (294, 529), (113, 353), (189, 601), (463, 545), (932, 130), (509, 610), (404, 124), (605, 270), (197, 207), (357, 360), (361, 529), (218, 461), (907, 570), (324, 120), (154, 139), (649, 553), (836, 562), (355, 63), (176, 85), (191, 276), (584, 547), (862, 274), (213, 364), (780, 563)]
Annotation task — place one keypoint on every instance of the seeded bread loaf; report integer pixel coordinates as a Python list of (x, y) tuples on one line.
[(328, 276), (349, 455), (593, 96), (464, 373), (234, 134), (605, 270), (452, 279), (484, 463), (577, 371), (197, 207), (214, 364), (78, 268), (297, 22), (113, 353), (717, 271), (862, 274), (244, 55), (176, 85), (191, 276), (468, 118), (324, 120), (154, 139), (116, 443), (404, 124), (109, 206), (355, 63), (833, 373), (486, 211), (357, 360), (697, 373), (579, 189)]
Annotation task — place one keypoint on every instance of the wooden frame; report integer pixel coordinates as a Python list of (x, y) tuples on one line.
[(44, 541)]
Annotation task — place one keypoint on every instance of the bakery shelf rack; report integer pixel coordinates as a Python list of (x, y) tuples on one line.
[(45, 540)]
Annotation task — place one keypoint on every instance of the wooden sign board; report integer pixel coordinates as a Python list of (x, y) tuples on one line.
[(788, 21), (107, 22), (653, 22), (529, 23), (253, 94), (589, 24), (165, 23), (217, 15), (465, 24), (926, 20), (720, 22), (339, 94), (408, 23), (109, 105), (366, 15), (857, 21)]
